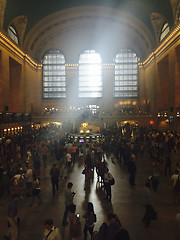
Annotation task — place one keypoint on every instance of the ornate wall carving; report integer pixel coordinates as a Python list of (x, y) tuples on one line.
[(157, 20)]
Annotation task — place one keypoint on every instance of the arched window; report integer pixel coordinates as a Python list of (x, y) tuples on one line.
[(90, 75), (164, 31), (53, 75), (13, 34), (126, 74)]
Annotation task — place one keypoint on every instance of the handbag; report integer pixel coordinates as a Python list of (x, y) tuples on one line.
[(112, 181)]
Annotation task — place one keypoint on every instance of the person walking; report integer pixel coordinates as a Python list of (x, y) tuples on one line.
[(167, 167), (73, 151), (122, 234), (147, 202), (88, 175), (75, 223), (176, 191), (154, 178), (107, 183), (109, 229), (55, 176), (68, 159), (90, 219), (5, 181), (51, 231), (132, 170), (63, 168), (36, 165), (69, 196), (36, 190), (88, 160), (12, 219), (29, 180)]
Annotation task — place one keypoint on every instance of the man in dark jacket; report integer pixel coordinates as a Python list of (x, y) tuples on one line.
[(132, 170), (69, 195), (110, 228), (55, 175)]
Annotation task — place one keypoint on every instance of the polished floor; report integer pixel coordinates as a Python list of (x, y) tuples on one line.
[(126, 203)]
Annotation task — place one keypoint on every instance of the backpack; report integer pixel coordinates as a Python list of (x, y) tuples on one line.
[(112, 181), (177, 185), (123, 234)]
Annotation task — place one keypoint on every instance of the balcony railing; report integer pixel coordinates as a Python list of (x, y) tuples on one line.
[(8, 117)]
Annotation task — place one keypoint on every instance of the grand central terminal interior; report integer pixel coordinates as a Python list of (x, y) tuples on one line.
[(85, 67)]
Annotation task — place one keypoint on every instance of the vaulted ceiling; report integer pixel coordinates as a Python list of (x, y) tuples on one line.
[(36, 10), (44, 24)]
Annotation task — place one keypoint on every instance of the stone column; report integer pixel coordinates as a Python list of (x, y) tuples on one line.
[(5, 81)]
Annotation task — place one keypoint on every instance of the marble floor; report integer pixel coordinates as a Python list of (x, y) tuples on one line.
[(126, 203)]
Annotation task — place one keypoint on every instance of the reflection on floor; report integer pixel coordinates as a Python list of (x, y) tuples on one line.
[(126, 203)]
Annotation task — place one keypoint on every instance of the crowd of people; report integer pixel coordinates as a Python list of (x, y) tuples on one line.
[(22, 157)]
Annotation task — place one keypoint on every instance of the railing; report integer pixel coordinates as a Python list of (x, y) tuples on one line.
[(77, 117), (8, 117)]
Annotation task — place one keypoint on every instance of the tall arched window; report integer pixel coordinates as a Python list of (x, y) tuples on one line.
[(126, 74), (90, 75), (53, 75), (13, 34), (164, 31)]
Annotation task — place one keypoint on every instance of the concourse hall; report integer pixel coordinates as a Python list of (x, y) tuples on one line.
[(71, 73)]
